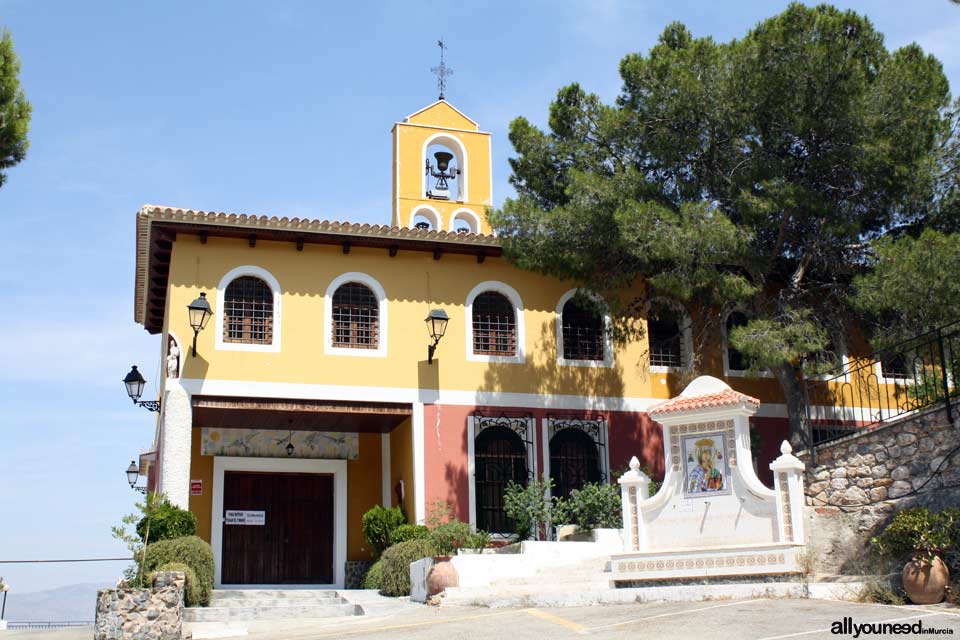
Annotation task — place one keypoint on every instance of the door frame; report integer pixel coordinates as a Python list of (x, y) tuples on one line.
[(336, 468)]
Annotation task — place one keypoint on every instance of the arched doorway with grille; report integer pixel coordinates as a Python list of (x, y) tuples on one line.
[(577, 454), (502, 453)]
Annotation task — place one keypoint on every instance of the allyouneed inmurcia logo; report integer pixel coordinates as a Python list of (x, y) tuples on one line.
[(848, 627)]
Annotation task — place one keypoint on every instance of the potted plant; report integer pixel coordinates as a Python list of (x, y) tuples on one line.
[(920, 536)]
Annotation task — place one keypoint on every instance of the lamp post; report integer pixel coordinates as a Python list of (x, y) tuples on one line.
[(133, 474), (134, 383), (200, 314), (436, 321)]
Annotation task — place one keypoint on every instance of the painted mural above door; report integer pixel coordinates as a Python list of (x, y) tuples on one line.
[(268, 443)]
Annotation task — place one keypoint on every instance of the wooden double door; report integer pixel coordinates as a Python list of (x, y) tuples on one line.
[(291, 542)]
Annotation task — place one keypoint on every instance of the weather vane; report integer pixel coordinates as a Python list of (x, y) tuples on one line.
[(443, 71)]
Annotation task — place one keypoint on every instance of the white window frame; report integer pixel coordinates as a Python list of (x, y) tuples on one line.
[(461, 214), (266, 276), (471, 467), (607, 361), (511, 294), (460, 153), (686, 334), (336, 468), (725, 345), (425, 210), (545, 444), (378, 291)]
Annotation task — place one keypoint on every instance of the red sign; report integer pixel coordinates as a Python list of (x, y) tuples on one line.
[(196, 487)]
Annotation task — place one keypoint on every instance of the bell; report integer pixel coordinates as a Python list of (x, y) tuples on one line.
[(443, 160)]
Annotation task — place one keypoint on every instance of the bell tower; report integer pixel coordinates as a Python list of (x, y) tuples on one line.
[(442, 178)]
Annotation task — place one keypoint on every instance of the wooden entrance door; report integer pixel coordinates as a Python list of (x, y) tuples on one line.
[(294, 545)]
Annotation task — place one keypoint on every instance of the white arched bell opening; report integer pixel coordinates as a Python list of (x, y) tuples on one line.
[(426, 213), (465, 218), (459, 152)]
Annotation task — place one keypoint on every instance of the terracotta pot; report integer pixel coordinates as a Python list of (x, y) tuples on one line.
[(925, 581), (442, 575)]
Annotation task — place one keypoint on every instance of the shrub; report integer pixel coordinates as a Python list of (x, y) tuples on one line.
[(527, 506), (478, 540), (919, 532), (395, 572), (189, 550), (192, 596), (167, 521), (374, 576), (379, 525), (450, 536), (409, 532), (595, 506)]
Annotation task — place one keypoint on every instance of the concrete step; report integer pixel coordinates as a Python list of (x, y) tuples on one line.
[(275, 602), (254, 594), (250, 613)]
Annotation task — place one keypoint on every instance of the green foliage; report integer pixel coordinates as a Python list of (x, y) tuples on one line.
[(374, 576), (752, 175), (913, 285), (193, 597), (919, 532), (527, 506), (189, 550), (478, 540), (395, 571), (14, 108), (378, 526), (168, 521), (409, 532), (136, 540), (595, 506), (450, 536)]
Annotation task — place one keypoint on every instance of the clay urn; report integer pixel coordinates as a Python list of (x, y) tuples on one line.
[(925, 580), (442, 575)]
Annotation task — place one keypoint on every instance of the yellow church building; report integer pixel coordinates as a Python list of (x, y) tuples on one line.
[(342, 365)]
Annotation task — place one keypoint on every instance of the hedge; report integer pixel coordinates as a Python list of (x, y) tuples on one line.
[(409, 532), (191, 551), (374, 576), (168, 521), (379, 525), (395, 572)]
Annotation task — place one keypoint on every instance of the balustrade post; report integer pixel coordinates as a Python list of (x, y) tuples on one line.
[(788, 485), (634, 489)]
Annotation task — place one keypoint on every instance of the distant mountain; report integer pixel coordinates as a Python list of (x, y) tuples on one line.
[(75, 602)]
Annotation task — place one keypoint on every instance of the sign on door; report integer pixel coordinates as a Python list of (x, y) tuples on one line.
[(255, 518)]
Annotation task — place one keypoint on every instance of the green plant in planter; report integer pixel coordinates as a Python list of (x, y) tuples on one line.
[(378, 527), (528, 508), (918, 533), (594, 506), (450, 536)]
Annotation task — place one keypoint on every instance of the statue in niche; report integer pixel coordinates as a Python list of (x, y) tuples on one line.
[(173, 358)]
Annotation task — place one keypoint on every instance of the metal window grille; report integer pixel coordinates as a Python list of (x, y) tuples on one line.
[(356, 317), (494, 325), (582, 330), (577, 453), (502, 451), (665, 338), (248, 311)]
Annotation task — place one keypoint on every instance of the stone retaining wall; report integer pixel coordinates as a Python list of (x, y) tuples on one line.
[(861, 481), (142, 614)]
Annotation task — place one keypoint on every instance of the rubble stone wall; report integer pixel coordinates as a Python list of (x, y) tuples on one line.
[(142, 614)]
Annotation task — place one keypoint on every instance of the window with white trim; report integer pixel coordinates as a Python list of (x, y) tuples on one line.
[(248, 311), (582, 329), (494, 325), (356, 317)]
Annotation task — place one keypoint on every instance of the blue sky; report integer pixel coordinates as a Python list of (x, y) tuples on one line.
[(281, 108)]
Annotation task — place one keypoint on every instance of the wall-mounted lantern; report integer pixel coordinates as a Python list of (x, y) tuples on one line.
[(200, 314), (134, 383), (133, 473), (436, 325)]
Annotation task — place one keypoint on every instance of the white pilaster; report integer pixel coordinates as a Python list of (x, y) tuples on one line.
[(634, 489), (788, 485), (419, 470), (175, 446)]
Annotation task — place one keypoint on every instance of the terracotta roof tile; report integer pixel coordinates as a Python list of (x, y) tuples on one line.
[(726, 398)]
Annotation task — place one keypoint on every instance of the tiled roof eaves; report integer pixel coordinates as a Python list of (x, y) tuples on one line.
[(681, 404)]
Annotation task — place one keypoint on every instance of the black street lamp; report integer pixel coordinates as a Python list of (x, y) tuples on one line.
[(436, 325), (133, 474), (134, 383), (200, 314)]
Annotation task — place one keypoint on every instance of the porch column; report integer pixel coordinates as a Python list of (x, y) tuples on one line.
[(419, 468), (788, 487), (176, 427)]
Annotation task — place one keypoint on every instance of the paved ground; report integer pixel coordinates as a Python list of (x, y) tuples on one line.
[(756, 619)]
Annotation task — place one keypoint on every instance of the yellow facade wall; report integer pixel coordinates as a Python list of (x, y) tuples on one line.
[(201, 468), (364, 491), (401, 466)]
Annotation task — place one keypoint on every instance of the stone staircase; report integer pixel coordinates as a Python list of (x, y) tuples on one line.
[(247, 605)]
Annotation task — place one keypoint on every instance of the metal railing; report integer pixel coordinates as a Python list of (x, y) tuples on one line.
[(910, 376), (13, 626)]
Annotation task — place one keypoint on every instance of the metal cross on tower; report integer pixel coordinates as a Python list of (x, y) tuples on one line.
[(443, 71)]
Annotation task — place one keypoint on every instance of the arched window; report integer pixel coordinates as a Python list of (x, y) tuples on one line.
[(494, 325), (582, 329), (356, 317), (445, 175), (666, 335), (500, 457), (574, 461), (425, 215), (248, 311), (465, 221), (736, 361)]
